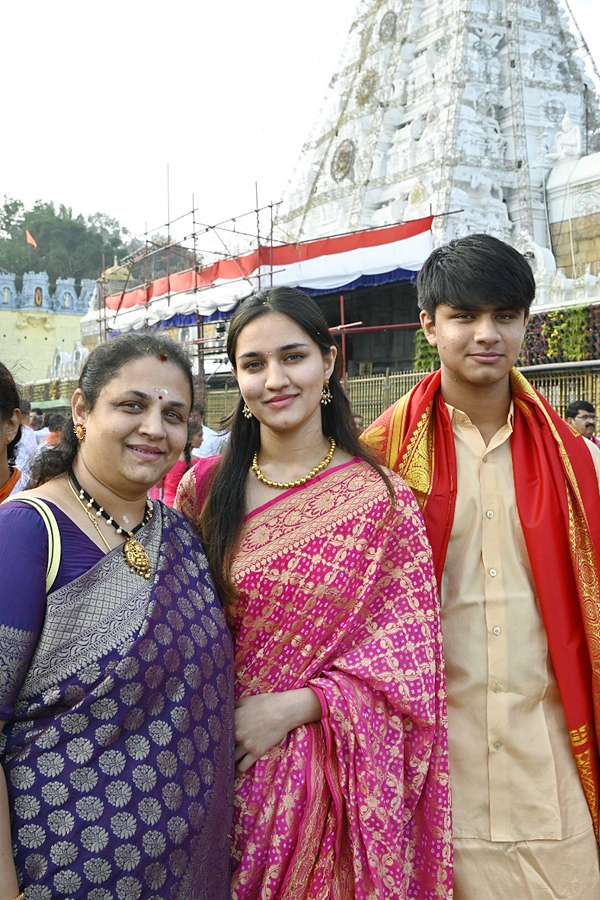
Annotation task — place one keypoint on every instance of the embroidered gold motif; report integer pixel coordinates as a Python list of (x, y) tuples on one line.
[(581, 735), (418, 462)]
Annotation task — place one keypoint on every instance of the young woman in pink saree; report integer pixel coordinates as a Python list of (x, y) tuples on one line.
[(343, 789)]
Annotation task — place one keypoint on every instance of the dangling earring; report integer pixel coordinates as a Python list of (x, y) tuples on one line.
[(326, 396), (79, 432), (246, 411)]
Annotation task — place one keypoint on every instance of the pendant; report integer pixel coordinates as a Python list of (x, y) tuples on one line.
[(137, 557)]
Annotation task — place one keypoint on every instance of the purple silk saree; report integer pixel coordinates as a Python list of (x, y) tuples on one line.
[(337, 593), (118, 753)]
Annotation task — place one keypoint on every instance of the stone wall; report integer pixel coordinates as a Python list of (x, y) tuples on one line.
[(577, 241)]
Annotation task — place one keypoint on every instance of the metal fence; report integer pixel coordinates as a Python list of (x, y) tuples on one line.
[(566, 382), (369, 396), (560, 384)]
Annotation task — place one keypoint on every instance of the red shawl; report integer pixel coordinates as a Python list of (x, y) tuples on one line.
[(559, 509)]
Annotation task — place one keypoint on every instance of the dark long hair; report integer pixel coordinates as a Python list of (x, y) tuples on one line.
[(102, 365), (222, 514), (9, 401)]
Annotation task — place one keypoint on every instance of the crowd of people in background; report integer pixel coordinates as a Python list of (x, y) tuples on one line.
[(304, 658)]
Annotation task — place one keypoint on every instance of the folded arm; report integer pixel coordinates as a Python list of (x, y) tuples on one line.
[(262, 721)]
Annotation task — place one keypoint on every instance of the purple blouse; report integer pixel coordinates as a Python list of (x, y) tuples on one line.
[(23, 593)]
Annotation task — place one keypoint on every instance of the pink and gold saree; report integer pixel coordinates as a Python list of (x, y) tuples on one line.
[(337, 593)]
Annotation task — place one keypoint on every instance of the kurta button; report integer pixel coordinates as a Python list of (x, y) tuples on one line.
[(497, 745), (496, 629), (493, 572), (490, 514), (496, 688)]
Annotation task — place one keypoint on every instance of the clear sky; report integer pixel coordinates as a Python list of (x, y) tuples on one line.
[(98, 99)]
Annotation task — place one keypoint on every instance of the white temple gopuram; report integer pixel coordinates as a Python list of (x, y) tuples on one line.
[(484, 113)]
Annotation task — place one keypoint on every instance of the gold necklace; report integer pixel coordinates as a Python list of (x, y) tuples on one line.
[(284, 485), (90, 516), (136, 555)]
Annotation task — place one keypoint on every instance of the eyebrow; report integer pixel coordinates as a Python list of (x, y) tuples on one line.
[(141, 395), (254, 353)]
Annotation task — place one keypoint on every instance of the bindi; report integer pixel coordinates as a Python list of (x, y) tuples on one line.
[(161, 391)]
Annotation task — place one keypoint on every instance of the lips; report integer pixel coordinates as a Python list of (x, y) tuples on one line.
[(145, 452), (281, 400), (486, 357)]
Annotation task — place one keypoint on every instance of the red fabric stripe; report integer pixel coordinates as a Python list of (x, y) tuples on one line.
[(288, 254)]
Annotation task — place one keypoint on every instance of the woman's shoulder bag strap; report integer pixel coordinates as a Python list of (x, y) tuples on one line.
[(53, 536)]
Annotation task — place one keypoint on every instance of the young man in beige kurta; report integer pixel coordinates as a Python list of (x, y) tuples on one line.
[(522, 826)]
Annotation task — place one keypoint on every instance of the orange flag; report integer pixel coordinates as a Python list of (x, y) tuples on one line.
[(30, 238)]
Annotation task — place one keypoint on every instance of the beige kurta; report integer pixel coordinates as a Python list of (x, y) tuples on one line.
[(515, 784)]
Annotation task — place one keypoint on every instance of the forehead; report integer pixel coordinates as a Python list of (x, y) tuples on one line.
[(147, 373), (475, 305), (450, 309), (269, 332)]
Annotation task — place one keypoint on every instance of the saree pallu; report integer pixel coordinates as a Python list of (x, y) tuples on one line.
[(559, 509), (119, 755), (337, 593)]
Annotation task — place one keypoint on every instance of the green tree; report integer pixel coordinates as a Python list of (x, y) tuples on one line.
[(68, 245)]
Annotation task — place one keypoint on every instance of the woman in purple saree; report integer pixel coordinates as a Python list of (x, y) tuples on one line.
[(116, 685), (342, 788)]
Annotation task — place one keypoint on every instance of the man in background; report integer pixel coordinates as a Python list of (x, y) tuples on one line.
[(38, 423), (582, 416), (27, 445), (213, 442)]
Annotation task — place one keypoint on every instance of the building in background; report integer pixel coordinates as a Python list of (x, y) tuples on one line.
[(483, 113), (40, 331), (467, 115)]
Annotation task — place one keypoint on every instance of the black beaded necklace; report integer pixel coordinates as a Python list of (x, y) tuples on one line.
[(100, 511), (136, 555)]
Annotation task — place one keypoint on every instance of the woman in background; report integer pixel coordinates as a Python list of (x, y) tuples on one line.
[(342, 788), (10, 432), (116, 684), (186, 461)]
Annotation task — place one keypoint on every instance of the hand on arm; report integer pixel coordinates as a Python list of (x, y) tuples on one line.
[(262, 721)]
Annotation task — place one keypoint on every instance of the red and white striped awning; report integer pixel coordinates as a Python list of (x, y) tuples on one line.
[(320, 265)]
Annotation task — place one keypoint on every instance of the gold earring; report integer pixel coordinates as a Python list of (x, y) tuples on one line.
[(326, 396), (246, 411), (79, 432)]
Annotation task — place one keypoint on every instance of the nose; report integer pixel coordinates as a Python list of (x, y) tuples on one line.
[(486, 330), (277, 376), (152, 422)]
